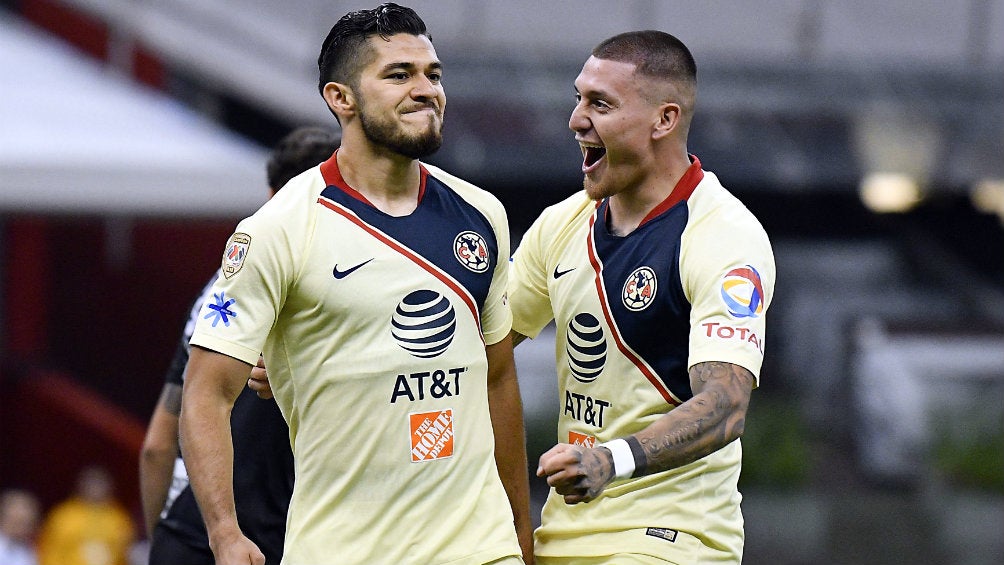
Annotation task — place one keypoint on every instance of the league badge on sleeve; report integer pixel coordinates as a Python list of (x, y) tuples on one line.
[(742, 292), (235, 253)]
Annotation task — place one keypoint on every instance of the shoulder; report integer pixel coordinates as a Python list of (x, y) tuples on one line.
[(569, 212), (713, 209), (722, 235), (289, 212), (300, 193)]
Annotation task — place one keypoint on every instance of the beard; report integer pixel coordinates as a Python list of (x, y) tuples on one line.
[(389, 134), (593, 191)]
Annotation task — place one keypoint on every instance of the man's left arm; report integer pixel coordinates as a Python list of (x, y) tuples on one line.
[(714, 417), (506, 408)]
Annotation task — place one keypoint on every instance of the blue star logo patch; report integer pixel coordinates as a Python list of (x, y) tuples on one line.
[(221, 310)]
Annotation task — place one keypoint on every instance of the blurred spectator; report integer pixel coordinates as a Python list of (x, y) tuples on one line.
[(89, 528), (19, 516)]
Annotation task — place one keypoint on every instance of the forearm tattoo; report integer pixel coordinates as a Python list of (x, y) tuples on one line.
[(713, 418)]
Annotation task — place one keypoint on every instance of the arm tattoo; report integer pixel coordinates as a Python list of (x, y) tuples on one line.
[(713, 418)]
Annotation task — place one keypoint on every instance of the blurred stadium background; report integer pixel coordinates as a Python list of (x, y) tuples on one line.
[(867, 136)]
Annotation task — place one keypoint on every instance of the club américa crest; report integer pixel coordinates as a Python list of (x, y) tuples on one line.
[(472, 251), (639, 289)]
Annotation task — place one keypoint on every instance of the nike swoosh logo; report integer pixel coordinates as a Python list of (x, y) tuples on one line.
[(559, 274), (342, 274)]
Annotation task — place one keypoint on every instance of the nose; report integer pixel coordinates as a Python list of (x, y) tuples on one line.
[(578, 122), (423, 88)]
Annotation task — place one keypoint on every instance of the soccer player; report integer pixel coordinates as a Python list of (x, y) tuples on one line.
[(658, 280), (375, 286), (264, 484)]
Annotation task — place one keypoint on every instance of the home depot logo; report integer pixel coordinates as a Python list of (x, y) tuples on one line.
[(575, 438), (431, 435)]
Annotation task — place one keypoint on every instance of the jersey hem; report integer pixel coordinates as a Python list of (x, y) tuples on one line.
[(227, 348)]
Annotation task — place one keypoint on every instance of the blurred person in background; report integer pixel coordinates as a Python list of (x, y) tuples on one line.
[(264, 484), (20, 512), (658, 280), (375, 286), (89, 528)]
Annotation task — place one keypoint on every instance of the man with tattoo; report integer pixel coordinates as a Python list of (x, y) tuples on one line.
[(658, 280)]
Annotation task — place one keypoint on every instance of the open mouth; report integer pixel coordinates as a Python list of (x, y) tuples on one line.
[(591, 154)]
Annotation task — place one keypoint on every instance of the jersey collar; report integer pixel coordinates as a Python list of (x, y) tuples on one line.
[(681, 192), (333, 177)]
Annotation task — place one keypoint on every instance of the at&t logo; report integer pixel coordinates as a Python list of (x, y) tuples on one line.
[(586, 347), (424, 323)]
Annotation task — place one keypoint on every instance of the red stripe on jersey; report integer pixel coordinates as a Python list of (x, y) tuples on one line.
[(414, 257), (642, 366)]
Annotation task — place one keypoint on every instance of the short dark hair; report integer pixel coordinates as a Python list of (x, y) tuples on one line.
[(344, 51), (301, 149), (654, 53)]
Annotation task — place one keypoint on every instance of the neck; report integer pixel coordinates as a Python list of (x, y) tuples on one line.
[(388, 180), (629, 207)]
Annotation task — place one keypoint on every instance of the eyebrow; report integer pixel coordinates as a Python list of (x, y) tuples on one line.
[(409, 66), (593, 94)]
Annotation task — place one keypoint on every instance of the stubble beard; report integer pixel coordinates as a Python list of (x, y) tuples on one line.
[(389, 134), (594, 190)]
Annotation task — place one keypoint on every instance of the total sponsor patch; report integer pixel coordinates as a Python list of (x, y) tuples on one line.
[(431, 435), (742, 292), (726, 332)]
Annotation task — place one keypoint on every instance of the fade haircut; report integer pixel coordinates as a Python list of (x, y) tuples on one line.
[(656, 55), (300, 150), (344, 52)]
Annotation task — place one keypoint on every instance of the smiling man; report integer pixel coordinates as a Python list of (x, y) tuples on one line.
[(658, 280), (375, 287)]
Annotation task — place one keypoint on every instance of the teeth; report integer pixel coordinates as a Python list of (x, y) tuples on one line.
[(592, 153)]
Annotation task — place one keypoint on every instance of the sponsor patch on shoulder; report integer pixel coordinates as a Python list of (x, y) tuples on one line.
[(431, 435), (235, 253), (662, 533), (742, 292)]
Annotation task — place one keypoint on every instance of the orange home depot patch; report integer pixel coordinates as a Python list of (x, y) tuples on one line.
[(575, 438), (431, 435)]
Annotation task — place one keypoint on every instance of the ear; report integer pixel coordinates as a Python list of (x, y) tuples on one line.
[(669, 119), (340, 98)]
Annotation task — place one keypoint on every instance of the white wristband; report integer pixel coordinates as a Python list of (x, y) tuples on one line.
[(623, 458)]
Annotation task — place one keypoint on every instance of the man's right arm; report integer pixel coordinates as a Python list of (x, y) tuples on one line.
[(212, 383)]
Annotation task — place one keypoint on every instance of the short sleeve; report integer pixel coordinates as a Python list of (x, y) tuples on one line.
[(496, 320), (528, 293), (727, 270), (257, 267)]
